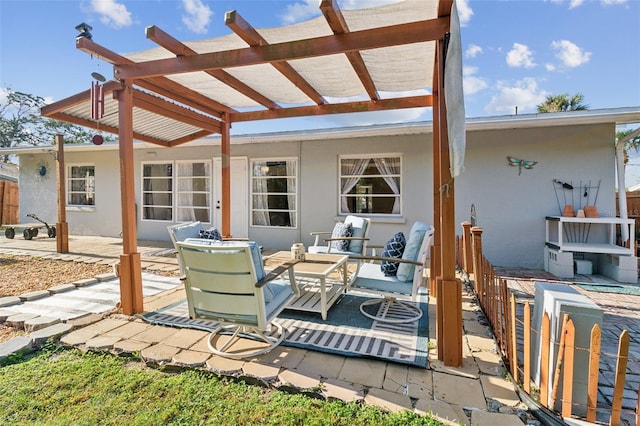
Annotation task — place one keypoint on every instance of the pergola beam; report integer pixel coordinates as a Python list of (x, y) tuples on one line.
[(180, 49), (246, 32), (343, 108), (336, 21), (394, 35), (157, 84)]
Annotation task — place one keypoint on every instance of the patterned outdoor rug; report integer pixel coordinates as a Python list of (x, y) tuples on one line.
[(630, 289), (346, 331)]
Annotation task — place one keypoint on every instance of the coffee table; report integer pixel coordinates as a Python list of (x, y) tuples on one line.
[(317, 290)]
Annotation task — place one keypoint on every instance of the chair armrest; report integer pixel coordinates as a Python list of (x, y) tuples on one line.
[(384, 258), (319, 232), (276, 272), (346, 238)]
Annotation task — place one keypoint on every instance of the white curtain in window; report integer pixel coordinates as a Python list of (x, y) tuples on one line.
[(260, 195), (354, 168), (387, 167), (185, 195)]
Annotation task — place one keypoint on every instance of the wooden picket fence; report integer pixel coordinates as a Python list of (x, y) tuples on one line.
[(8, 202), (513, 334)]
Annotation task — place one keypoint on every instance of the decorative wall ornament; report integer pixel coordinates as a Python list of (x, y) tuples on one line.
[(42, 170), (520, 164)]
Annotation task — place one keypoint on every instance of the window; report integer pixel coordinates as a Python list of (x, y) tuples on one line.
[(370, 185), (81, 185), (157, 191), (273, 193), (193, 191)]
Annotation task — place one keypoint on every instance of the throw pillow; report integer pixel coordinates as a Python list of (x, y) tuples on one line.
[(393, 248), (211, 234), (341, 230)]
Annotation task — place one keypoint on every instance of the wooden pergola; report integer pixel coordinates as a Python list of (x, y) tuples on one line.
[(181, 92)]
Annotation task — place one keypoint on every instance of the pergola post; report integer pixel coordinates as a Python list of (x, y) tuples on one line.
[(62, 227), (225, 155), (130, 270), (448, 288)]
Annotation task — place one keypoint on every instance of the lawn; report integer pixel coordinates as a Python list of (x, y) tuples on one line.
[(57, 386)]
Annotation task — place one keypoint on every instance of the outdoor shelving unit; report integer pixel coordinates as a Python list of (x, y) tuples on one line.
[(584, 234)]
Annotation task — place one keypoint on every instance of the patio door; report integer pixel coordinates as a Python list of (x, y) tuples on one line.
[(239, 196)]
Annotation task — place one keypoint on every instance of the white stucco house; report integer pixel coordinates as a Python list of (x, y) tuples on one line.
[(286, 185)]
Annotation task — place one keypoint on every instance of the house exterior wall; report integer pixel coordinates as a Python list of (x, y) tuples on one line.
[(510, 208)]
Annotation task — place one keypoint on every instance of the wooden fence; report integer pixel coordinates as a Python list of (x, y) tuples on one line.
[(513, 334), (8, 202)]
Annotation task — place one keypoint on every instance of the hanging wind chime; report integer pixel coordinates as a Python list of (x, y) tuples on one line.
[(97, 104)]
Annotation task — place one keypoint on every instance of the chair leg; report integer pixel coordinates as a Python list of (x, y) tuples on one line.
[(403, 312), (250, 333)]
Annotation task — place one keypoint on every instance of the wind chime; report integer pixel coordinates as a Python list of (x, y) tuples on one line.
[(97, 104)]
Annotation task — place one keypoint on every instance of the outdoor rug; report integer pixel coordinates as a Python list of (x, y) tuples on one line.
[(630, 289), (345, 332)]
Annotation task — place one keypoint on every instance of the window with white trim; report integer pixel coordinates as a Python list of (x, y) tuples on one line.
[(371, 185), (81, 185), (193, 191), (274, 192), (157, 191)]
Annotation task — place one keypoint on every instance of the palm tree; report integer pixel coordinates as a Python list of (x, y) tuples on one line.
[(563, 102)]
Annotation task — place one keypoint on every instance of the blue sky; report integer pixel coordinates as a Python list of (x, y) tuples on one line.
[(515, 52)]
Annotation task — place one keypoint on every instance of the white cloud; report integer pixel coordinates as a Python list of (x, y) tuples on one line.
[(523, 94), (298, 12), (472, 51), (112, 13), (520, 56), (464, 12), (197, 15), (550, 67), (471, 83), (613, 2), (575, 3), (570, 54)]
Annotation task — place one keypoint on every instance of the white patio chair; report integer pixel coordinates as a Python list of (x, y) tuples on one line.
[(407, 282), (225, 282), (355, 245)]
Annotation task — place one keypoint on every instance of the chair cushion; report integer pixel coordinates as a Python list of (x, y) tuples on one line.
[(341, 230), (393, 248), (276, 293), (411, 251), (210, 234), (188, 230), (359, 226), (370, 277)]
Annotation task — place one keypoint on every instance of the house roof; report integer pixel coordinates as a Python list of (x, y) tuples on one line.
[(617, 116), (343, 61)]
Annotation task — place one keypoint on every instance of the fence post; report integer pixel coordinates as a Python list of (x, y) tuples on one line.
[(621, 371), (526, 374), (567, 379), (545, 333), (594, 365), (514, 340), (476, 233), (467, 254)]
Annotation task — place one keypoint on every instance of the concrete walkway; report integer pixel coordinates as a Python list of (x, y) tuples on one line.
[(475, 393)]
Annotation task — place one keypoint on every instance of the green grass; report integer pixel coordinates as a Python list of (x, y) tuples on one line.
[(58, 386)]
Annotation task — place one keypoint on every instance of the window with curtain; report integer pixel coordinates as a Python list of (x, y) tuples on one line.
[(157, 191), (81, 185), (370, 185), (274, 193), (193, 192)]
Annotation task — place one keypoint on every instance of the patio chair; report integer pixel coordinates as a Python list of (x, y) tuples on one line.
[(349, 237), (225, 282), (183, 231), (406, 283)]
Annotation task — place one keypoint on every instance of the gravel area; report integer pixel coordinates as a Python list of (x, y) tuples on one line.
[(22, 274)]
